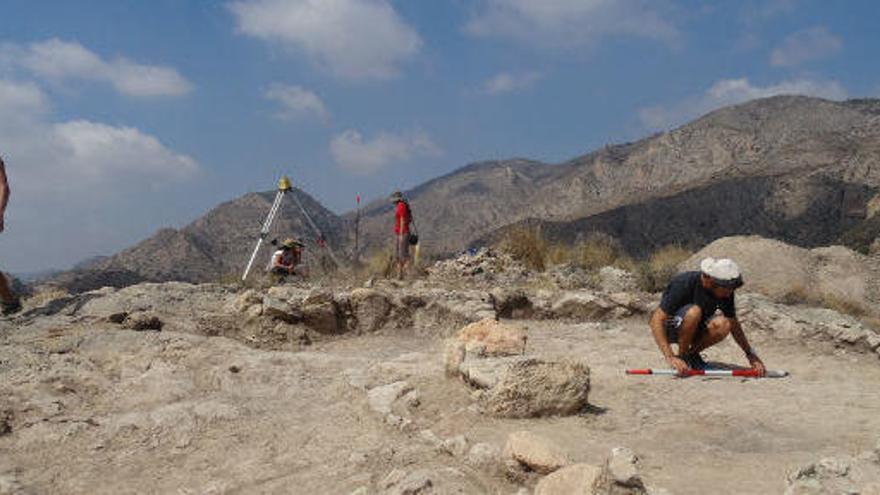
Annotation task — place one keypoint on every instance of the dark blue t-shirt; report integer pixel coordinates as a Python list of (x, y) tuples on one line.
[(686, 288)]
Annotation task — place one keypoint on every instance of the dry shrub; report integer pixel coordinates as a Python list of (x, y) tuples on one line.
[(654, 273), (44, 295), (526, 245), (600, 250), (560, 254), (799, 294), (378, 263)]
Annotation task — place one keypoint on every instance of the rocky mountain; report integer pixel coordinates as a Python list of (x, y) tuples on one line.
[(801, 169), (214, 246), (797, 168)]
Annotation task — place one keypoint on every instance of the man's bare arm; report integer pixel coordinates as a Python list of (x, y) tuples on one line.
[(740, 337), (658, 329)]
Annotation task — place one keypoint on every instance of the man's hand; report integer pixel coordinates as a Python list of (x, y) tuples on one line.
[(676, 362), (757, 364)]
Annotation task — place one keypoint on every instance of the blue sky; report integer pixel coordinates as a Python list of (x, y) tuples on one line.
[(118, 117)]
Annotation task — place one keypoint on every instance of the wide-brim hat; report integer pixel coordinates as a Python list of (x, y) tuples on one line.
[(290, 242), (724, 272), (396, 196)]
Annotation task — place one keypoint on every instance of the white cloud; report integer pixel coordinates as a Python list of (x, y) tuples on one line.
[(505, 82), (730, 92), (352, 153), (79, 188), (297, 102), (571, 22), (804, 46), (59, 60), (78, 157), (354, 39)]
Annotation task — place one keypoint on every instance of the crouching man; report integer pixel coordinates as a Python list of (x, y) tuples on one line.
[(687, 315), (287, 260)]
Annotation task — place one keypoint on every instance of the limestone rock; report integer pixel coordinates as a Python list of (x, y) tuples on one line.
[(370, 308), (620, 475), (498, 339), (586, 306), (280, 309), (484, 456), (453, 356), (321, 313), (577, 479), (456, 445), (414, 483), (526, 452), (613, 279), (485, 373), (381, 398), (245, 300), (533, 388)]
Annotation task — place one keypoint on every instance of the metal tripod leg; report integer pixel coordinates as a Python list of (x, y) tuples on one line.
[(264, 231)]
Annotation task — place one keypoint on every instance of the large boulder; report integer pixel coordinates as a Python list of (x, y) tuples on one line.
[(829, 275), (533, 388)]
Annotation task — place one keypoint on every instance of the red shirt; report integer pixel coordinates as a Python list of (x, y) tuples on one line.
[(402, 217)]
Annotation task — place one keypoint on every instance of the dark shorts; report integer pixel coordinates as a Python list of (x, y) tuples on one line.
[(673, 323)]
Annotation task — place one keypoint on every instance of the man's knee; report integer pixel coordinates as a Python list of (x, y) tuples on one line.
[(720, 326), (693, 314)]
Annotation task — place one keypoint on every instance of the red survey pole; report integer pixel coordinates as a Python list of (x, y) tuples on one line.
[(721, 373)]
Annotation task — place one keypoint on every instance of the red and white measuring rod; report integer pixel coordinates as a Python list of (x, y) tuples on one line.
[(692, 372)]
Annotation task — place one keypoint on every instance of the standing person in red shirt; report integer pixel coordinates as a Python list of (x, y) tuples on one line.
[(9, 302), (402, 221)]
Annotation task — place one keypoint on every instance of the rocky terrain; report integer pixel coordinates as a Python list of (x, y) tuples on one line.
[(803, 170), (480, 377)]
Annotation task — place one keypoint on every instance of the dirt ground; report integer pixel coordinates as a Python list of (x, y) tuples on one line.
[(95, 409)]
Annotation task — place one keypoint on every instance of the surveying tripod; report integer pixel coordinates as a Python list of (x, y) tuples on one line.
[(284, 186)]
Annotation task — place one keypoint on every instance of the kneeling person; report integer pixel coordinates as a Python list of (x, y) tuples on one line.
[(686, 315), (288, 258)]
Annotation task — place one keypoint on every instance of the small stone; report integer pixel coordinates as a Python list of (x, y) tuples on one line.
[(234, 369), (484, 456), (431, 439), (381, 398), (456, 445)]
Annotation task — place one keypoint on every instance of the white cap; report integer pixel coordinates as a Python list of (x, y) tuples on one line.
[(724, 271)]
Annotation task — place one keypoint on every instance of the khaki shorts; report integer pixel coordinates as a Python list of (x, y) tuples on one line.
[(403, 247)]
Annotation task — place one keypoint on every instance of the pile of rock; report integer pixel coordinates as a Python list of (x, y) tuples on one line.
[(483, 264), (860, 474), (490, 356), (807, 324), (531, 459)]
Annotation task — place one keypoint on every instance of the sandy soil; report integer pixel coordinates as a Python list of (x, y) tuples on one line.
[(96, 409)]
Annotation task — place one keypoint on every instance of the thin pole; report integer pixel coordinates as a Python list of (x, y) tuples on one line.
[(357, 230), (691, 372)]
